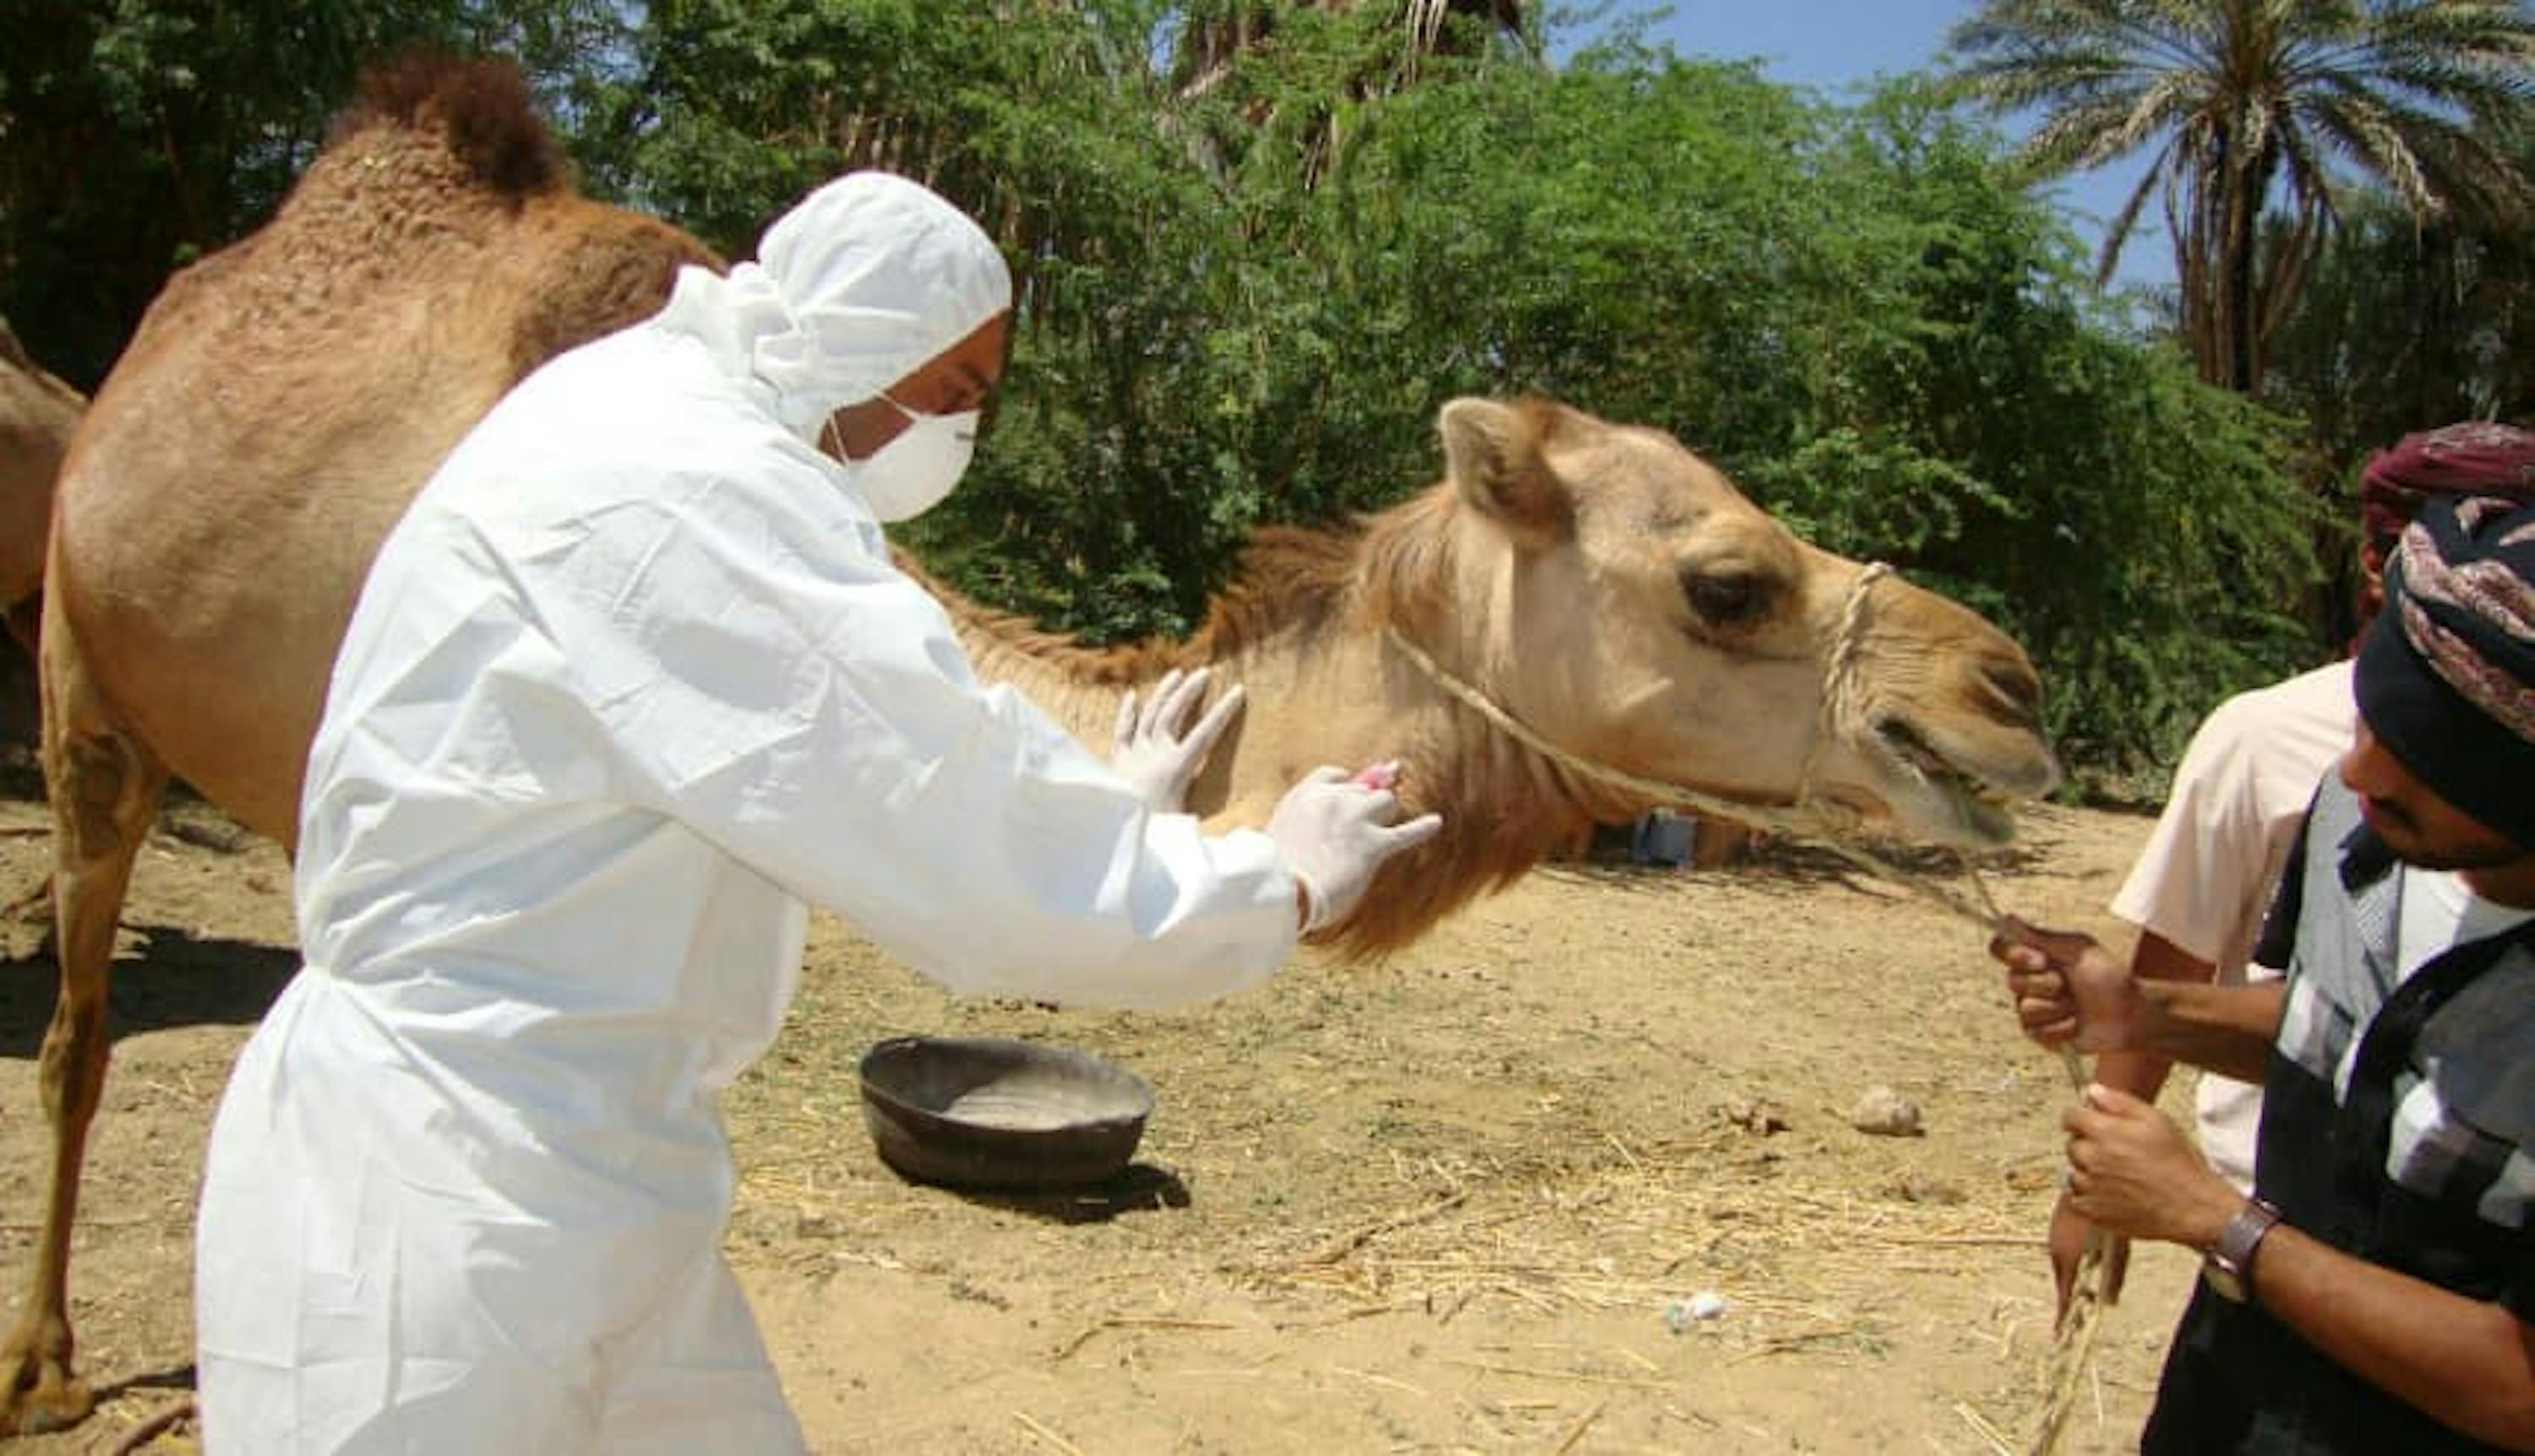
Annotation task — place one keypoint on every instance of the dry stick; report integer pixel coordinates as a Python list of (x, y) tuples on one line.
[(1990, 1436), (1960, 1241), (122, 1220), (1531, 1373), (1576, 1432), (166, 1418), (1370, 1378), (1133, 1322), (1355, 1238), (1045, 1434)]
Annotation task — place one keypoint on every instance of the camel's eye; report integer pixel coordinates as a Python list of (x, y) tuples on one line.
[(1730, 598)]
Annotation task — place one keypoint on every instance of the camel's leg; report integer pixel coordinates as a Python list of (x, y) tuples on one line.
[(105, 789)]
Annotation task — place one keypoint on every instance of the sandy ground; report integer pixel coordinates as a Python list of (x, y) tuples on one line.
[(1439, 1204)]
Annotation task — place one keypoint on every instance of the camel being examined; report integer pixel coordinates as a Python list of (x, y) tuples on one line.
[(285, 397)]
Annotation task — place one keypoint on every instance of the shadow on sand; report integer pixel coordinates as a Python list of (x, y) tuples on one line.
[(1776, 865), (174, 980), (1139, 1187)]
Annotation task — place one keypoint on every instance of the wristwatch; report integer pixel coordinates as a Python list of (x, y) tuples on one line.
[(2228, 1267)]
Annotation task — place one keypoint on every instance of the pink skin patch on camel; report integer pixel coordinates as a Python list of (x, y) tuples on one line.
[(1377, 775)]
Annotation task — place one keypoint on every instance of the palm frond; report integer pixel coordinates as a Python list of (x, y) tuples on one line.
[(2116, 231)]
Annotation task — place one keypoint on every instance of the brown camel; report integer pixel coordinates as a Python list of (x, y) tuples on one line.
[(1613, 595), (285, 397), (37, 415)]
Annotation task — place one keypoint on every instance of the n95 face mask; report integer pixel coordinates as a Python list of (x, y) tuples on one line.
[(912, 473)]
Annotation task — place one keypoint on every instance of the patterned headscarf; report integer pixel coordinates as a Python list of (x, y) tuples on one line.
[(2446, 675)]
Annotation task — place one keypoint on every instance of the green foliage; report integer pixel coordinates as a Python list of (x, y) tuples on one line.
[(136, 135), (1246, 306), (2405, 327), (1243, 301), (2402, 327)]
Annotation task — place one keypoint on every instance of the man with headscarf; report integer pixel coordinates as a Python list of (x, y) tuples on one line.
[(2374, 1293), (2199, 888), (630, 687)]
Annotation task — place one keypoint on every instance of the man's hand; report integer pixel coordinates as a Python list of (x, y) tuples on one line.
[(1148, 748), (2131, 1172), (2070, 990)]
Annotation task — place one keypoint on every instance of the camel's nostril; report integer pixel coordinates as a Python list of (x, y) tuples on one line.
[(2014, 693)]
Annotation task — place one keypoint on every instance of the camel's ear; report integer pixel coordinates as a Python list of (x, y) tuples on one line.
[(1493, 453)]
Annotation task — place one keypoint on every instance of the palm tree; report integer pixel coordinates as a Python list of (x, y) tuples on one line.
[(1212, 36), (1215, 36), (1391, 48), (2240, 99)]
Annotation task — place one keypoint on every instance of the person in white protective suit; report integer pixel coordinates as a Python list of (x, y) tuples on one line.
[(631, 686)]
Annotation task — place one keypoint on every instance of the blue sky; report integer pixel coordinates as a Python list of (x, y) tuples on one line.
[(1834, 45)]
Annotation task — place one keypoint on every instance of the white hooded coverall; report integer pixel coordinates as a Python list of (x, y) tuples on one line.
[(631, 686)]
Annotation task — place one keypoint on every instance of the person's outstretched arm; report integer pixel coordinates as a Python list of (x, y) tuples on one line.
[(764, 675), (2069, 991)]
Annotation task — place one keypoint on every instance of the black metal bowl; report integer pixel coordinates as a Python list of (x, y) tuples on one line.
[(984, 1113)]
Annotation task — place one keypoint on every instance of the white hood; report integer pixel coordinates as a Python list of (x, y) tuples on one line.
[(866, 280)]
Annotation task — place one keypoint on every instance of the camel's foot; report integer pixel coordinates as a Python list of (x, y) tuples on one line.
[(43, 1394)]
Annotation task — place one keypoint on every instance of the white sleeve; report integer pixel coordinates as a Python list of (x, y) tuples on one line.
[(771, 681), (2205, 877)]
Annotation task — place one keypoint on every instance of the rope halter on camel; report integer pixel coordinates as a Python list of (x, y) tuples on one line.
[(1807, 817)]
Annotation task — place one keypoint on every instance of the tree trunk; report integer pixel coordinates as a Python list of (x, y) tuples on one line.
[(2240, 274)]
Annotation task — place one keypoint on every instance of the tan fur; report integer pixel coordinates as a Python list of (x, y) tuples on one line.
[(285, 397)]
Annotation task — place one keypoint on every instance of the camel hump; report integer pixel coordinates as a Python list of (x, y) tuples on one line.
[(482, 105)]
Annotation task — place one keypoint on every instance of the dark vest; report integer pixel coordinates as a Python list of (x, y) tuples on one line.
[(2396, 1121)]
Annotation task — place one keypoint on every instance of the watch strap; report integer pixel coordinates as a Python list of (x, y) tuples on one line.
[(2230, 1262)]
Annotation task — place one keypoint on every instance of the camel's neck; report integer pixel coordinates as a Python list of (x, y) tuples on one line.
[(1076, 685), (1304, 632), (1081, 686)]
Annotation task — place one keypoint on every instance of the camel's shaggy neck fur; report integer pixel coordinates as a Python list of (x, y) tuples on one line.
[(1324, 597)]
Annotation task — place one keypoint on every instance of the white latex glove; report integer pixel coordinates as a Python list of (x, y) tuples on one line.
[(1148, 748), (1336, 830)]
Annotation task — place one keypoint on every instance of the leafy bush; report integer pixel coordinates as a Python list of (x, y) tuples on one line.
[(1243, 304)]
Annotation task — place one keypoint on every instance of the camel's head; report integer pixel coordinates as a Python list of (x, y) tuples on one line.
[(1621, 597)]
